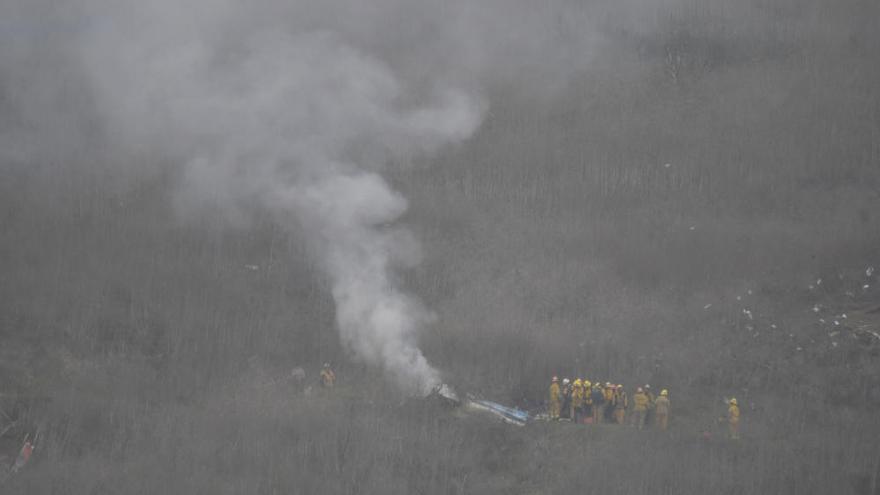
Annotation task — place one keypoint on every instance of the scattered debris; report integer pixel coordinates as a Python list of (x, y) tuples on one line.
[(509, 415), (707, 306), (24, 455)]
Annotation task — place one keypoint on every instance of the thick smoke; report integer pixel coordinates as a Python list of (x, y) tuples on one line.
[(298, 123), (295, 108)]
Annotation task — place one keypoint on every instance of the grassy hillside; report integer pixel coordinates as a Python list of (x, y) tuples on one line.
[(664, 216)]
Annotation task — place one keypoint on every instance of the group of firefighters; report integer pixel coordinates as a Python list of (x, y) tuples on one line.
[(583, 401)]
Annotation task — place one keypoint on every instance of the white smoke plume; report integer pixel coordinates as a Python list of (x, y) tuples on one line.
[(299, 123), (296, 107)]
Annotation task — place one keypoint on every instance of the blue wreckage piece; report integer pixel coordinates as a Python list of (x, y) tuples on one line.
[(508, 414)]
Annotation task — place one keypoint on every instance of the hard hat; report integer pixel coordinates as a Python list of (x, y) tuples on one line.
[(619, 385), (639, 389), (555, 378), (664, 392), (326, 365), (647, 386), (577, 382), (607, 384), (565, 380), (733, 401), (587, 383)]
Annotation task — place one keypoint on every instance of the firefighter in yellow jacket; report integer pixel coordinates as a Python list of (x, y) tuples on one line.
[(620, 404), (640, 408), (555, 399), (588, 398), (328, 377), (661, 410), (733, 419), (577, 400)]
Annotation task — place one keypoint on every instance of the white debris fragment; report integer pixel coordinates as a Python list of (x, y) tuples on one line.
[(707, 306), (874, 334), (834, 334), (810, 287), (869, 271), (815, 309), (800, 348), (865, 287), (819, 281), (739, 298), (834, 344), (843, 316), (667, 165), (836, 323), (821, 320), (749, 292), (773, 326), (252, 267)]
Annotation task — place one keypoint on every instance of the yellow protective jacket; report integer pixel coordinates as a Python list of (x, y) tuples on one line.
[(640, 400), (554, 393), (328, 378), (620, 401), (733, 414), (577, 396), (661, 405)]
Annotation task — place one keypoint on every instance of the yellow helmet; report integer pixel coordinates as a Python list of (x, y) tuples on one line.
[(664, 392), (587, 383), (577, 382), (733, 401)]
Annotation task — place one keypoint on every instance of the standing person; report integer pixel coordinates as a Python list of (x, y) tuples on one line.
[(620, 404), (733, 419), (328, 377), (566, 398), (609, 401), (588, 398), (640, 408), (555, 399), (661, 410), (598, 396), (577, 400), (649, 414)]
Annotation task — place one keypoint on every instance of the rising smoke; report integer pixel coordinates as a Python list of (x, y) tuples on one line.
[(296, 109)]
